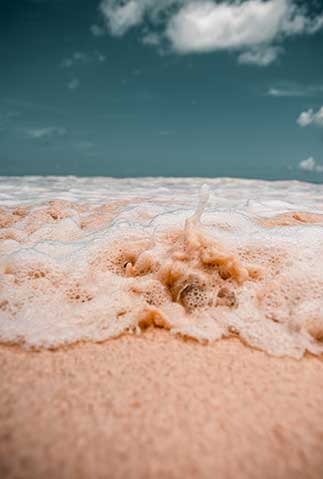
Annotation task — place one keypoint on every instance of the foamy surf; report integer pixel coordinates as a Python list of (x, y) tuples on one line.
[(90, 259)]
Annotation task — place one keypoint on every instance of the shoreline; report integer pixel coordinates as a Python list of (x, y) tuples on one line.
[(158, 406)]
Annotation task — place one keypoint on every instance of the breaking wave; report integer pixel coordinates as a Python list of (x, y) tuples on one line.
[(90, 259)]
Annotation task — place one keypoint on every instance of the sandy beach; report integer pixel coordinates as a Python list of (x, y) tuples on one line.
[(156, 406)]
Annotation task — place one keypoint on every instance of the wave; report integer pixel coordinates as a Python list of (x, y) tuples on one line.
[(91, 259)]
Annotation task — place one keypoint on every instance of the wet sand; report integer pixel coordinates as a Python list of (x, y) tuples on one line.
[(156, 406)]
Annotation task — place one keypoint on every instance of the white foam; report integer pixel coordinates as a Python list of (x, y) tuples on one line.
[(89, 259)]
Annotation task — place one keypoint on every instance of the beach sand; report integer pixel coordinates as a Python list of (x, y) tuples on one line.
[(156, 406)]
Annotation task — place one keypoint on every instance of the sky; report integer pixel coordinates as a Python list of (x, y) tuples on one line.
[(162, 88)]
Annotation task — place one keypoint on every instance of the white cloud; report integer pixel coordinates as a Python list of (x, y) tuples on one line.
[(261, 56), (151, 39), (73, 84), (76, 58), (43, 133), (205, 25), (310, 165), (292, 90), (281, 92), (310, 117), (305, 118), (121, 16), (255, 28), (81, 58)]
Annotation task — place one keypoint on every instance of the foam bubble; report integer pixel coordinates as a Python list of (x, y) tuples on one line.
[(91, 264)]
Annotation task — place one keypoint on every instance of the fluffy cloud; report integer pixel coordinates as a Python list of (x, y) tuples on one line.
[(310, 117), (45, 133), (121, 17), (253, 27), (205, 25), (310, 165)]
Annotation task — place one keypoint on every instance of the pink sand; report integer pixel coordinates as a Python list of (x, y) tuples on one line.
[(156, 406)]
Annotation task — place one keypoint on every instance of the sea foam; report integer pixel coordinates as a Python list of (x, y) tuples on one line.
[(89, 259)]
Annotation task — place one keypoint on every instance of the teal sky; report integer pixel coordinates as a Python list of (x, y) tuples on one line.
[(90, 88)]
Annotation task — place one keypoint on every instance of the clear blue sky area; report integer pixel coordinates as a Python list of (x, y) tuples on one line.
[(132, 89)]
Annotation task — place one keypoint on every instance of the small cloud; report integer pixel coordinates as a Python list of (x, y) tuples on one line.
[(121, 17), (278, 92), (45, 133), (261, 56), (152, 39), (292, 90), (67, 63), (81, 58), (310, 165), (97, 31), (73, 84), (76, 58), (305, 118), (101, 58), (310, 117)]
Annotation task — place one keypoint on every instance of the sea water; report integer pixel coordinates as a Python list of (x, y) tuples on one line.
[(88, 259)]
